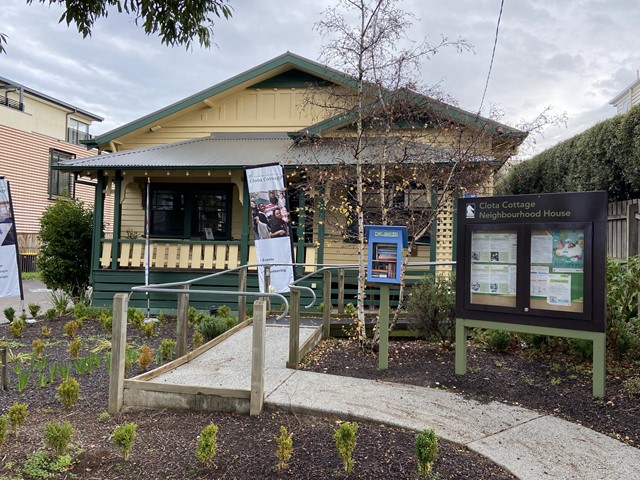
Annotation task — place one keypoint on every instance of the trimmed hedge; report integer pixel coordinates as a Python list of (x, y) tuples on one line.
[(604, 157)]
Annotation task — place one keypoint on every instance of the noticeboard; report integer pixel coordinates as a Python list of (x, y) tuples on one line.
[(533, 259)]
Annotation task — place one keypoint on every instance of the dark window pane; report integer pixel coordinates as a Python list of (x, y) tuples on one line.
[(59, 182)]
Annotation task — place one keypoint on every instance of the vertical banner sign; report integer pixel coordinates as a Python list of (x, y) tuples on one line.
[(271, 224), (9, 274)]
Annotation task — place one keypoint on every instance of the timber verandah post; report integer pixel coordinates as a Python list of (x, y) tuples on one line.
[(98, 222), (117, 215)]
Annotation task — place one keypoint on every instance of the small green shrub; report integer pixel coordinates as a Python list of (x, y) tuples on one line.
[(432, 309), (198, 339), (74, 347), (632, 386), (123, 437), (581, 348), (167, 347), (148, 329), (38, 347), (71, 328), (145, 357), (497, 340), (4, 428), (320, 307), (50, 314), (207, 443), (427, 451), (41, 465), (34, 309), (10, 314), (17, 327), (284, 451), (46, 331), (106, 319), (17, 415), (68, 392), (104, 417), (345, 437), (57, 436), (623, 323), (135, 317), (211, 326)]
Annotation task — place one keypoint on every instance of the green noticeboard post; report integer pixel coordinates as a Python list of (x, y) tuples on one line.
[(533, 264), (384, 267)]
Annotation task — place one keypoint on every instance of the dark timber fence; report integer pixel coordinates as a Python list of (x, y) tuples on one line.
[(622, 228)]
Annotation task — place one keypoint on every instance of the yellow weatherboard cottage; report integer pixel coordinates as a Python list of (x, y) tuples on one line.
[(192, 154)]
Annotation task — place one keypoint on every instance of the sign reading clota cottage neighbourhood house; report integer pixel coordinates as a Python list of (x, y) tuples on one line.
[(533, 260)]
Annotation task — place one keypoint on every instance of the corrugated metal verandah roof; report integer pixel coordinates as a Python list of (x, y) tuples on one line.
[(239, 150)]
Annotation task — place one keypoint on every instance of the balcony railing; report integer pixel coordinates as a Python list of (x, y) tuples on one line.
[(75, 136), (8, 102)]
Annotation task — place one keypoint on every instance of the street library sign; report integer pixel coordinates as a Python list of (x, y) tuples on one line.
[(533, 264)]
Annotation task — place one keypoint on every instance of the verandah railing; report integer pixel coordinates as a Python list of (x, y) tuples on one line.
[(183, 254)]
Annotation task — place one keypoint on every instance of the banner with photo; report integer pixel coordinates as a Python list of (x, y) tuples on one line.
[(10, 281), (271, 224)]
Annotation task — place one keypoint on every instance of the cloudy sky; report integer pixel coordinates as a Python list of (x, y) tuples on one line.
[(572, 55)]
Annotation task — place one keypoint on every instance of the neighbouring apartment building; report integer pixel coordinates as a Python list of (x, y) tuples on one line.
[(36, 132), (629, 97)]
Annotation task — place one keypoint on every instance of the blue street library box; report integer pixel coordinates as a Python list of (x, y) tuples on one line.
[(385, 252)]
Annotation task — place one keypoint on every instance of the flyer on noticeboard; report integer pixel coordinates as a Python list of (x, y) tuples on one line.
[(557, 268)]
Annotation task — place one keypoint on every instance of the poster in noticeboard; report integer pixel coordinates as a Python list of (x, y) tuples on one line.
[(493, 267), (557, 270)]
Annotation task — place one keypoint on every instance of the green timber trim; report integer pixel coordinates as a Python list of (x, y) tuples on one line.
[(302, 214), (117, 220), (246, 221), (98, 221), (599, 340)]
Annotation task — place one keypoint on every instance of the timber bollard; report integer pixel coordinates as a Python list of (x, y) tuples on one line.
[(257, 357), (294, 328), (183, 322), (118, 352)]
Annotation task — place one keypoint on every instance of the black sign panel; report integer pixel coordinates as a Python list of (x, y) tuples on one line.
[(533, 259)]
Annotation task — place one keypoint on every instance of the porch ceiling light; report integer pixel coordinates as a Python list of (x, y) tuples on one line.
[(155, 128)]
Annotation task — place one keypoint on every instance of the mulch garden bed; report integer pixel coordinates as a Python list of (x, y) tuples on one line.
[(165, 447)]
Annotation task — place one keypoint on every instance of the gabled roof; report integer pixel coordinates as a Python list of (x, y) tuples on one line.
[(261, 74), (5, 84)]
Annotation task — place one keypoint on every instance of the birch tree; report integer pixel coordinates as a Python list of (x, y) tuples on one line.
[(364, 39)]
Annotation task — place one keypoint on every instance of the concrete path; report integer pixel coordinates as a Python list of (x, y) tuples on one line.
[(530, 445), (34, 292)]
